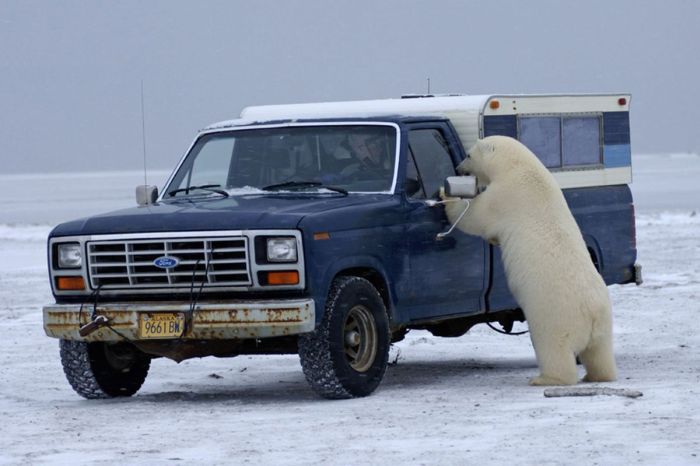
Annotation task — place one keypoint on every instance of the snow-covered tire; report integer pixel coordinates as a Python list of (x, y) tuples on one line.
[(347, 355), (101, 370)]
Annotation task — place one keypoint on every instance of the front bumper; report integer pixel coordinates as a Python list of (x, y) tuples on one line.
[(211, 320)]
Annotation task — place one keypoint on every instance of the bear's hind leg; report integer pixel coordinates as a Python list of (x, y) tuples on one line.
[(599, 361), (556, 361)]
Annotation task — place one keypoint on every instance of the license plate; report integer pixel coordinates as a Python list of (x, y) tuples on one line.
[(161, 324)]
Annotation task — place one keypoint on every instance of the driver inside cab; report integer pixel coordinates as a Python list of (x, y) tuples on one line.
[(366, 154)]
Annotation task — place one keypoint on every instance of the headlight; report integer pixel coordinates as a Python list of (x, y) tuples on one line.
[(69, 256), (282, 249)]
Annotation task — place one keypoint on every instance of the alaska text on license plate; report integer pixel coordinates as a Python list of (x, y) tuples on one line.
[(161, 324)]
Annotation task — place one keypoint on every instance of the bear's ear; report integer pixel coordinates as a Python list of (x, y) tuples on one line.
[(485, 147)]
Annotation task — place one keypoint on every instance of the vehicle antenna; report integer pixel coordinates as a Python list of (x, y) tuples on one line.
[(428, 85), (143, 136)]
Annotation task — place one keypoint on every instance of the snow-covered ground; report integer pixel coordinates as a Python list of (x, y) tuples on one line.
[(445, 401)]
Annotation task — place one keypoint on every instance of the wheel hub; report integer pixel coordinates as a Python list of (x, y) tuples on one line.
[(361, 339), (352, 338)]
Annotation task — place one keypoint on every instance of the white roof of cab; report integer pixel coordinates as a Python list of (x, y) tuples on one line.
[(367, 108), (414, 106)]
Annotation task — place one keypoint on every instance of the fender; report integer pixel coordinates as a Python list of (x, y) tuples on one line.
[(356, 262)]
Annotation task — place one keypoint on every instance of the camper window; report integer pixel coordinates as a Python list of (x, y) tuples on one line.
[(563, 141), (542, 135), (581, 141)]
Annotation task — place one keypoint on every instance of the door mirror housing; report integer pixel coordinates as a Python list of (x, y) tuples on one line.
[(461, 186), (146, 194)]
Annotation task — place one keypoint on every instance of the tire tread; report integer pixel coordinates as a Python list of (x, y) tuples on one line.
[(93, 382), (315, 352)]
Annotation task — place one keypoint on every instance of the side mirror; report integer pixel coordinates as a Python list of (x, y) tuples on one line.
[(146, 194), (461, 186)]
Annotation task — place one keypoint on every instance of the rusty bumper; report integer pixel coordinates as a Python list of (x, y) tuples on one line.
[(210, 320)]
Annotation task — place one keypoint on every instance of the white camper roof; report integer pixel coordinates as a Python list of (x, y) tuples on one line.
[(438, 105), (446, 105)]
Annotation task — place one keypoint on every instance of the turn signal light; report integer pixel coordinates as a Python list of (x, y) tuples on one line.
[(494, 104), (70, 283), (283, 278)]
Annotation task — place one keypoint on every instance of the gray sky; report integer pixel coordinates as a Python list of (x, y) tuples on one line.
[(71, 71)]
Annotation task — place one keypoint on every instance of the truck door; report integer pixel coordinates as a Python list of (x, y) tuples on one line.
[(448, 276)]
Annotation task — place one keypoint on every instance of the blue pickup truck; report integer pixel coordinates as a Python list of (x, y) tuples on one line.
[(310, 229)]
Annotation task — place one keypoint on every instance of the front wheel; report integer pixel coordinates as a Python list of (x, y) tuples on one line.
[(346, 356), (101, 370)]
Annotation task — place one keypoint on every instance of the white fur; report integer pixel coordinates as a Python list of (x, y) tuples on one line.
[(548, 267)]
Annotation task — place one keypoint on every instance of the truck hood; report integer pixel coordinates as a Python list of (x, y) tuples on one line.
[(275, 211)]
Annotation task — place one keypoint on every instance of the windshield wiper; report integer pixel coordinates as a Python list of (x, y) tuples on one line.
[(296, 185), (205, 187)]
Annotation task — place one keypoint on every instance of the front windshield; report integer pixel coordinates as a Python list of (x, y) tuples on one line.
[(356, 158)]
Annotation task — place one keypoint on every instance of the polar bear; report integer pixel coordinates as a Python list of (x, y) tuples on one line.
[(548, 268)]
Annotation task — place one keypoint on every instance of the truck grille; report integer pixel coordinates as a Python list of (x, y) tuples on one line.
[(130, 264)]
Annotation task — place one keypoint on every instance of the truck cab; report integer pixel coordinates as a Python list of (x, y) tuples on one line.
[(310, 229)]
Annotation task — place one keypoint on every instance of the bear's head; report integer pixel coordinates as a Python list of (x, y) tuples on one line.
[(495, 156)]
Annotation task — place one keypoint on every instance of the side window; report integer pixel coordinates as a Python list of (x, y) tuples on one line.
[(412, 176), (432, 159)]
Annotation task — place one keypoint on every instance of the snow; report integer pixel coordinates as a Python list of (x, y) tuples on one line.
[(245, 191), (253, 191), (445, 401)]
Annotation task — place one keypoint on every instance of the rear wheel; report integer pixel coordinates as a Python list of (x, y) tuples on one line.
[(346, 356), (102, 370)]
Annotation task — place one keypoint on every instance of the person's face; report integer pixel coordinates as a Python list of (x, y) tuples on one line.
[(358, 143)]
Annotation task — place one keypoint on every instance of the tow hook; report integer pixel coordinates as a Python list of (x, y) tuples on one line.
[(97, 322)]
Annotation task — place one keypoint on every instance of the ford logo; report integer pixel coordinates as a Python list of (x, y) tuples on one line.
[(165, 262)]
